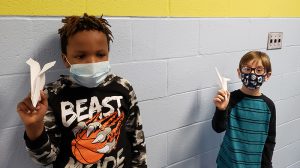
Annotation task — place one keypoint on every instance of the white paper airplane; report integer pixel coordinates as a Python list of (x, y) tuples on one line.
[(222, 80), (37, 79)]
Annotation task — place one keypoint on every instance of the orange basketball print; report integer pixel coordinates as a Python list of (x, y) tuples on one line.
[(99, 138)]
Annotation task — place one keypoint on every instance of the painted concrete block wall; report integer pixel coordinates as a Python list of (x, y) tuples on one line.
[(170, 63)]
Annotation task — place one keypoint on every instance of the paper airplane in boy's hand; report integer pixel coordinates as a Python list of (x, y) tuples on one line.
[(222, 80), (37, 79)]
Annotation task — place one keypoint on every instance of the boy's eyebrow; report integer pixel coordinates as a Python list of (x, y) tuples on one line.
[(101, 50), (83, 51), (79, 51), (260, 66)]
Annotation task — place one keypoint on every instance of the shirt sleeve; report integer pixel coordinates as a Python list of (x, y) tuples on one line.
[(270, 141), (44, 149), (220, 118), (135, 133), (219, 121)]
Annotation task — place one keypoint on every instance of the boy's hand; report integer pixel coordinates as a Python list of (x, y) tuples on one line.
[(221, 100), (33, 117)]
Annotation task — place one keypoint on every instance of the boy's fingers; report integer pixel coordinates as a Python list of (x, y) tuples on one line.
[(25, 106), (28, 104), (221, 97), (22, 108), (44, 99), (216, 100), (222, 92), (19, 107)]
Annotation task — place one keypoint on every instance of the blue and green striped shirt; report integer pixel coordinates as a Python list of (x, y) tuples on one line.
[(249, 124)]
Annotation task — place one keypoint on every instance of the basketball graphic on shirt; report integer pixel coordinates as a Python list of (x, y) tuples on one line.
[(98, 137)]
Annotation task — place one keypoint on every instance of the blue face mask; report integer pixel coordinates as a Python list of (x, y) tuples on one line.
[(252, 81), (90, 75)]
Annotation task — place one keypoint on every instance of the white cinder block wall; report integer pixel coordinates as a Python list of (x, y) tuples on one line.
[(170, 62)]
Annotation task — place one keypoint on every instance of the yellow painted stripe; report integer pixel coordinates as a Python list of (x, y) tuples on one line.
[(128, 7), (42, 7), (265, 8), (156, 8), (193, 8)]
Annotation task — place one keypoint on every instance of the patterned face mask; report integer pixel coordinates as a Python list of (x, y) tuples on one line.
[(252, 81)]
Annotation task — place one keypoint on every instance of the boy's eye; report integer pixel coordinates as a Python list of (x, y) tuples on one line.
[(259, 70), (100, 55), (79, 56), (246, 69)]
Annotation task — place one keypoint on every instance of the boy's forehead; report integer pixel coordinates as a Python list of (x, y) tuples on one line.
[(254, 62), (87, 40), (88, 32), (83, 36)]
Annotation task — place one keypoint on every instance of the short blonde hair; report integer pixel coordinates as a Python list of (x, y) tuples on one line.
[(257, 55)]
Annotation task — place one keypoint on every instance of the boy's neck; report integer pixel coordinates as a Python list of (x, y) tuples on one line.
[(251, 92)]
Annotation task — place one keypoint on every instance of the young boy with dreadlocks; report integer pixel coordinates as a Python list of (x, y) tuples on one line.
[(89, 118)]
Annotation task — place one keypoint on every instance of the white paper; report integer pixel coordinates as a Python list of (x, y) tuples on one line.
[(37, 79), (222, 80)]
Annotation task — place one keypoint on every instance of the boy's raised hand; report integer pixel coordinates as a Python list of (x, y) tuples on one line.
[(32, 117), (221, 100)]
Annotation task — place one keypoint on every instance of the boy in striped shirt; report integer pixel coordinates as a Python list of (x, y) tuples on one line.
[(247, 116)]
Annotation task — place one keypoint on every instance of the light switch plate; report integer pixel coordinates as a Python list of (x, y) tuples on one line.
[(275, 40)]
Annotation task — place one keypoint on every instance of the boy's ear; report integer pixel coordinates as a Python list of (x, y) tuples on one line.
[(239, 73), (64, 58), (268, 75)]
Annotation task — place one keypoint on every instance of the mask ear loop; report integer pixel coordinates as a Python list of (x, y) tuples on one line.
[(67, 59)]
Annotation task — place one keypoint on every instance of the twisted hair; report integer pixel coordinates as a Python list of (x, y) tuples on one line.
[(74, 24)]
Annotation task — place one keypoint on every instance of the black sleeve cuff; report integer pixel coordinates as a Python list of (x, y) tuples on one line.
[(220, 114), (219, 121), (37, 143)]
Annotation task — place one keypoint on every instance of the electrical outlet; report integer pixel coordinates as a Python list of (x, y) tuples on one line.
[(274, 40)]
